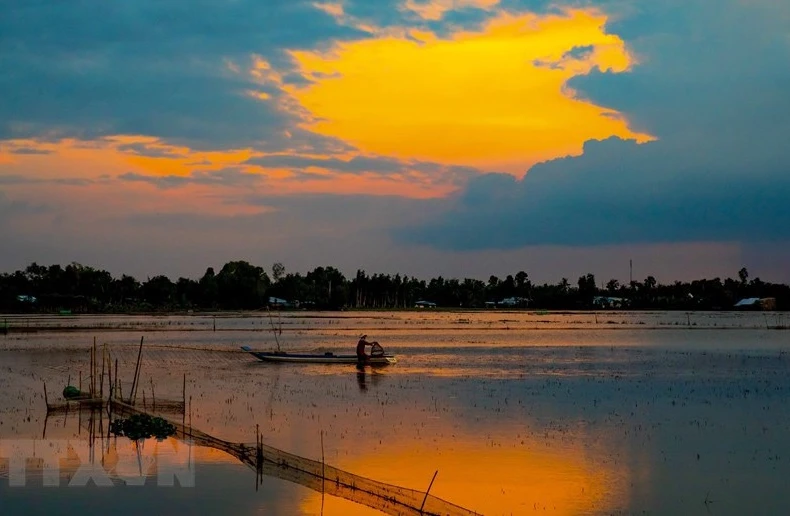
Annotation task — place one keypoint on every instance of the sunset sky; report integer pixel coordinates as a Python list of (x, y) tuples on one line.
[(444, 137)]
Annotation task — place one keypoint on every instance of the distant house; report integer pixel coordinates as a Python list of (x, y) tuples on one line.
[(280, 303), (509, 302), (756, 303), (608, 302), (512, 302), (424, 304)]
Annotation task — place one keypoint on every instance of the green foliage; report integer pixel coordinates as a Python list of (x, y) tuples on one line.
[(241, 285)]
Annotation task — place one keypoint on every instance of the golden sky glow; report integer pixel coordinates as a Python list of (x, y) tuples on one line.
[(478, 98)]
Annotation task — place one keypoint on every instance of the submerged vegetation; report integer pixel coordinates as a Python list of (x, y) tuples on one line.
[(240, 285), (142, 426)]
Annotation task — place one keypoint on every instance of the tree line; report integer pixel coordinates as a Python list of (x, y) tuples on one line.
[(240, 285)]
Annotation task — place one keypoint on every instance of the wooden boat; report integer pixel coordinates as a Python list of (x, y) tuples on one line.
[(318, 358)]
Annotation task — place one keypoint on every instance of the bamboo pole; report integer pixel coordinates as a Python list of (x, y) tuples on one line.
[(428, 491), (90, 375), (274, 330), (257, 457), (101, 378), (110, 389), (110, 385), (133, 392), (323, 473), (184, 401)]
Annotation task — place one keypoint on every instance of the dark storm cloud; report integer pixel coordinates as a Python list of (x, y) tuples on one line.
[(711, 90), (95, 68), (617, 192)]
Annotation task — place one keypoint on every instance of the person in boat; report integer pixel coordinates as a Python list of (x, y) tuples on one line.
[(375, 350), (363, 357)]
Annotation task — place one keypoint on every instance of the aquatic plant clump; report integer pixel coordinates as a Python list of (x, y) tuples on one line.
[(71, 392), (142, 426)]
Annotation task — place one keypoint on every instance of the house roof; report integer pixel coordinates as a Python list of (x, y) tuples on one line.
[(748, 301)]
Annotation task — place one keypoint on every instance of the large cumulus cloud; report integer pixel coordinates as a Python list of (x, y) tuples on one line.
[(712, 87)]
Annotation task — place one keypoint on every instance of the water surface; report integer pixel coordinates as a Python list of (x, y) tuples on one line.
[(574, 413)]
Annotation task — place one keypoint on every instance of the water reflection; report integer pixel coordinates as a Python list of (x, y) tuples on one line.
[(368, 378), (74, 462), (363, 386), (495, 478)]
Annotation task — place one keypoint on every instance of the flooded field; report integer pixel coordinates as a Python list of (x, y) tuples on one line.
[(519, 412)]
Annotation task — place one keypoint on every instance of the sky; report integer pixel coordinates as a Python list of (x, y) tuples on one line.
[(460, 138)]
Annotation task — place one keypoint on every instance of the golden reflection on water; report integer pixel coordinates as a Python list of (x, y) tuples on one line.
[(492, 479)]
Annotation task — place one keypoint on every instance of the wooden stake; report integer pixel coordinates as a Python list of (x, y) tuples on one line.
[(46, 401)]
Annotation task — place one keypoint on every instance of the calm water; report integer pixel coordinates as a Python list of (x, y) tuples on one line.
[(578, 413)]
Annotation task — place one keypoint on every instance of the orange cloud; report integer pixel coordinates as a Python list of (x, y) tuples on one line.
[(494, 98), (101, 163)]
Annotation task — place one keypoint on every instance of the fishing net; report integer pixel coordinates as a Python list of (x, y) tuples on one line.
[(270, 461)]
